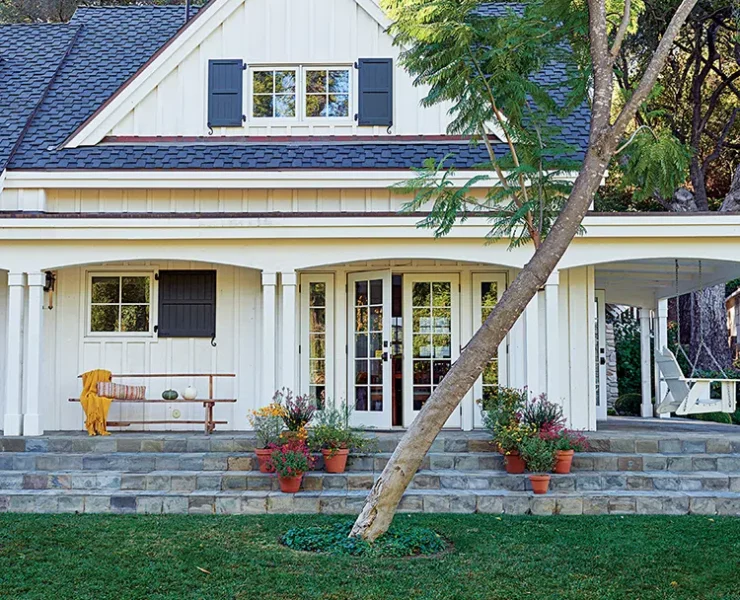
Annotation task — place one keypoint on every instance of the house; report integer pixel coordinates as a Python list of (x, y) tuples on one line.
[(211, 195)]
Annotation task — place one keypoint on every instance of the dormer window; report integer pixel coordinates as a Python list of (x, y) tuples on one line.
[(274, 93), (300, 93)]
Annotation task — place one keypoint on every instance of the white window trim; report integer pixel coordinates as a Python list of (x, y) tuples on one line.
[(120, 334), (305, 370), (300, 116)]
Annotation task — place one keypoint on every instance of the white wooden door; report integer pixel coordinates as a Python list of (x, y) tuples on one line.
[(431, 338), (601, 382), (369, 331), (487, 290)]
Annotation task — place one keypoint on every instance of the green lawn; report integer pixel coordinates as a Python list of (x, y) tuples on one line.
[(61, 557)]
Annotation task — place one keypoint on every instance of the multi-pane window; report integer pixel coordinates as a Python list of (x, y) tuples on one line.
[(317, 299), (120, 303), (301, 92), (327, 93), (274, 93), (488, 299), (431, 337)]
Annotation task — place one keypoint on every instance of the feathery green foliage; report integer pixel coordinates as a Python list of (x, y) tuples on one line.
[(484, 69)]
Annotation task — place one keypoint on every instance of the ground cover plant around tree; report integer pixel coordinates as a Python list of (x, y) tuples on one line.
[(112, 557)]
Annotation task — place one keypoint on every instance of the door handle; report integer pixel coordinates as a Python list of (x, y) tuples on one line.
[(384, 356), (602, 361)]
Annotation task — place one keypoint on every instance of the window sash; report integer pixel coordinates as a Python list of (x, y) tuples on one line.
[(311, 364), (119, 304)]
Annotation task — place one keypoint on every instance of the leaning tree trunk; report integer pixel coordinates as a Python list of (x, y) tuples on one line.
[(385, 495)]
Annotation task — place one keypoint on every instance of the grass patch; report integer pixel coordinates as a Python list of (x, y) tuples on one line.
[(401, 540), (100, 557)]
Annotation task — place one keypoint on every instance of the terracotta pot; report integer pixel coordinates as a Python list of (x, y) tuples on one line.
[(335, 461), (514, 463), (263, 458), (290, 485), (540, 483), (564, 460)]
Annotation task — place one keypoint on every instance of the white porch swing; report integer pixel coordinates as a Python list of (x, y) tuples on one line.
[(692, 395)]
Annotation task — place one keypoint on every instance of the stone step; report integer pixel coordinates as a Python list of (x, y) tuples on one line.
[(188, 481), (429, 501), (143, 462), (385, 442)]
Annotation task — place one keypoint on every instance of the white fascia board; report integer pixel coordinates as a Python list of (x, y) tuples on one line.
[(153, 74), (377, 13), (293, 179)]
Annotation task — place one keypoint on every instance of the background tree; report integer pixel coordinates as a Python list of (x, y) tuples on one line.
[(467, 76), (689, 127)]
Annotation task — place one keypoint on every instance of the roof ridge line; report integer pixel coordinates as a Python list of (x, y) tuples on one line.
[(34, 112)]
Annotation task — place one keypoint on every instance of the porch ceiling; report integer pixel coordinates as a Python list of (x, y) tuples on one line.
[(643, 282)]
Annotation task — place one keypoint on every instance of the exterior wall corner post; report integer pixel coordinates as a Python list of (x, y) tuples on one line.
[(646, 408), (287, 370), (13, 422), (269, 334), (33, 350)]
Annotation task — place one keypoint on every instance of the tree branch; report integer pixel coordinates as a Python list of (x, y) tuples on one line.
[(622, 31)]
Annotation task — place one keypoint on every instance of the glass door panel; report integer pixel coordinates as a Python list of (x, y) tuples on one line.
[(369, 348), (431, 337), (487, 289)]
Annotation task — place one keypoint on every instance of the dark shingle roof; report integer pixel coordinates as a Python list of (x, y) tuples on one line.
[(113, 43), (29, 57)]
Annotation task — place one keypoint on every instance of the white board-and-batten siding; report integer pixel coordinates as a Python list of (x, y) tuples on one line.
[(215, 201), (263, 33), (69, 350)]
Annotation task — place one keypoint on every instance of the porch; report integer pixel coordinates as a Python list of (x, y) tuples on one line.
[(376, 330)]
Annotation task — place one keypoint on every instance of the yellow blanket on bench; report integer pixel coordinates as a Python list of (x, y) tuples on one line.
[(95, 407)]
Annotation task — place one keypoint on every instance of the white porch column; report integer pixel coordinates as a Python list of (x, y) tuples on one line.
[(269, 333), (33, 345), (14, 355), (646, 409), (660, 325), (289, 347), (553, 343)]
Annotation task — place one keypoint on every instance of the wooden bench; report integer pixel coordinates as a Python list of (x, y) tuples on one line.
[(208, 403)]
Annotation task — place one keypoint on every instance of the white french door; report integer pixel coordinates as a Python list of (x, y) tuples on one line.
[(431, 338), (487, 290), (369, 328)]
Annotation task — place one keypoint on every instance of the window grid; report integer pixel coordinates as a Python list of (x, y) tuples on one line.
[(120, 303), (317, 341)]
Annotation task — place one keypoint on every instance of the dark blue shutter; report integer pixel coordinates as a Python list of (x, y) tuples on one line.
[(225, 77), (375, 91), (187, 304)]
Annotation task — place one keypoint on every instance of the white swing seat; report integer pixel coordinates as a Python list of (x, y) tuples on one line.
[(691, 396)]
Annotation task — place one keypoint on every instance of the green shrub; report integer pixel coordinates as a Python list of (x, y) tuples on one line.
[(628, 404), (400, 540)]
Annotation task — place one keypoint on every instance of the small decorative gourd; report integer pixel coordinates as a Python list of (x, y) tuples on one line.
[(190, 393), (170, 394)]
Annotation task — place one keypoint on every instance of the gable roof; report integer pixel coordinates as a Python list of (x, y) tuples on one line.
[(112, 44), (29, 58)]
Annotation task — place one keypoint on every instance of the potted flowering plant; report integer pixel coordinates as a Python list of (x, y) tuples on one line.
[(268, 426), (539, 454), (567, 443), (510, 439), (332, 436), (290, 461), (297, 413)]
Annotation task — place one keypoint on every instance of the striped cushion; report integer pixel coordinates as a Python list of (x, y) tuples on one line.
[(107, 389)]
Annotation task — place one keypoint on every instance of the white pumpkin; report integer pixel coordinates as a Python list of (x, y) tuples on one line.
[(190, 393)]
